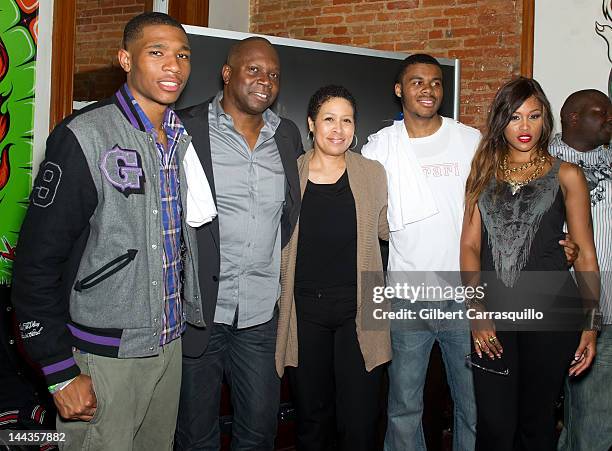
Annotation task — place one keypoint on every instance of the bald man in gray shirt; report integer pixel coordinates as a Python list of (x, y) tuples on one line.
[(249, 156)]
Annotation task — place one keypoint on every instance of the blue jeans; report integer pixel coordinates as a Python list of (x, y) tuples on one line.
[(407, 371), (588, 403), (246, 357)]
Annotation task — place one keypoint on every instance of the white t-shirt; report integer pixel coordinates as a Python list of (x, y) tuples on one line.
[(432, 244)]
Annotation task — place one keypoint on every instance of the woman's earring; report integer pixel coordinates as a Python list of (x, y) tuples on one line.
[(356, 141), (310, 135)]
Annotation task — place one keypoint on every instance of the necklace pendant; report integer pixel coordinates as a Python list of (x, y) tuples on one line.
[(515, 189)]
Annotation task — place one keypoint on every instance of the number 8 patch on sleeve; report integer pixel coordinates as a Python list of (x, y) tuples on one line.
[(47, 183)]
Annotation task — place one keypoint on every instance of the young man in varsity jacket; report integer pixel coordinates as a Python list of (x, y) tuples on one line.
[(105, 277)]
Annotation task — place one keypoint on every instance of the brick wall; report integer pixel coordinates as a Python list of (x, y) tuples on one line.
[(99, 31), (484, 34)]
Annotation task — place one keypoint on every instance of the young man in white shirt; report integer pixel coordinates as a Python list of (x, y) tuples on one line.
[(427, 158)]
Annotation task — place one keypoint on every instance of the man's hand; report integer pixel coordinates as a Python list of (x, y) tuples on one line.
[(77, 401), (571, 249)]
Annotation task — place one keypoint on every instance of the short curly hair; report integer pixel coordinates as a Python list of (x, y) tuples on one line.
[(133, 29), (417, 58), (326, 93)]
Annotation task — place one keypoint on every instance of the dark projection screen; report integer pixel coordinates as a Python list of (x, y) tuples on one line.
[(305, 67)]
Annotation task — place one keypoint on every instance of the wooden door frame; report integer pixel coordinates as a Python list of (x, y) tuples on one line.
[(62, 60), (527, 38)]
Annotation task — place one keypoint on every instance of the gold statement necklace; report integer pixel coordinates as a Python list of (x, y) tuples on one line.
[(516, 185)]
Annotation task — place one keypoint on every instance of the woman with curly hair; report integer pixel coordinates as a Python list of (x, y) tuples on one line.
[(332, 259)]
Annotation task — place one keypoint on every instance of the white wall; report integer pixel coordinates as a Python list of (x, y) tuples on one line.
[(42, 98), (568, 54), (229, 15)]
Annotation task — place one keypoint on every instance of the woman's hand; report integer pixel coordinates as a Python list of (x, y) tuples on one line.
[(485, 340), (584, 355)]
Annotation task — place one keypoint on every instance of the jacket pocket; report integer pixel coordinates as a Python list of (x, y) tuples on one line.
[(106, 271)]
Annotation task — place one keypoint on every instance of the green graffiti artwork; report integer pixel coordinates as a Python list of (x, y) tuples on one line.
[(18, 38)]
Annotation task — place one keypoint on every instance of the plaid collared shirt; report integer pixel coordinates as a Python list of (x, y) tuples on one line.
[(173, 322)]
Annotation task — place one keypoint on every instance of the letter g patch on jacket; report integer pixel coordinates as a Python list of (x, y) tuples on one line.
[(123, 169)]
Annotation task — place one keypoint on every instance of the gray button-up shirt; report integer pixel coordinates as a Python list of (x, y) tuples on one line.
[(250, 188)]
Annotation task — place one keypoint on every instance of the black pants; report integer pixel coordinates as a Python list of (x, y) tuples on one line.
[(516, 412), (337, 400)]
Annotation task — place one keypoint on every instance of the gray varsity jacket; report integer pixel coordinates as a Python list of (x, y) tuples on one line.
[(88, 271)]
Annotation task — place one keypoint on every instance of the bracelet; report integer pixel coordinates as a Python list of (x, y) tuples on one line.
[(593, 320), (60, 386)]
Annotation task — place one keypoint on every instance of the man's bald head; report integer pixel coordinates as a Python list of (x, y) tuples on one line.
[(579, 100), (251, 78), (240, 48), (586, 119)]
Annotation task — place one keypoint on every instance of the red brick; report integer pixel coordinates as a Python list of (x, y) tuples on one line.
[(343, 9), (460, 11), (361, 41), (86, 28), (313, 12), (384, 37), (136, 9), (427, 3), (326, 30), (367, 17), (266, 7), (483, 41), (461, 32), (112, 11), (376, 28), (403, 4), (465, 53), (375, 7), (88, 12), (387, 47), (338, 40), (272, 27), (306, 21), (329, 20), (389, 26), (441, 23), (409, 47), (275, 17), (459, 21), (108, 19), (427, 12), (443, 43)]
